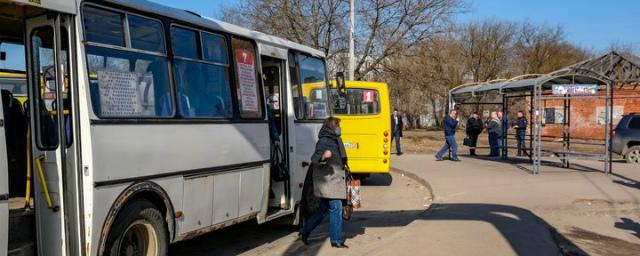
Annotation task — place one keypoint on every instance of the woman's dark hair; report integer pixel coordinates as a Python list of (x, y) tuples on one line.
[(331, 123)]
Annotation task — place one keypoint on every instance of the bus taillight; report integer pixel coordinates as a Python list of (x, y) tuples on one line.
[(386, 140), (384, 161), (386, 133), (385, 152)]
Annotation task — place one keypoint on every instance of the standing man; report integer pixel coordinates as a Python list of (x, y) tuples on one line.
[(450, 124), (494, 128), (396, 130), (503, 127), (474, 128), (521, 132)]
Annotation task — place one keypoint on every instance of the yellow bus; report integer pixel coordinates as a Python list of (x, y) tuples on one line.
[(366, 125), (15, 82)]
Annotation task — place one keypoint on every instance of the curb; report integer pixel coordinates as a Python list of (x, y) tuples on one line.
[(418, 179)]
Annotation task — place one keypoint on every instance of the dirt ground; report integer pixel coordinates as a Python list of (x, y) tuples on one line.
[(421, 141)]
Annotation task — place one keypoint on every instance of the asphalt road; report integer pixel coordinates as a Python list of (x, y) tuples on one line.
[(390, 203)]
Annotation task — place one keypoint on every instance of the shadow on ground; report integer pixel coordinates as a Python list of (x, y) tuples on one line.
[(629, 224), (520, 227), (626, 181)]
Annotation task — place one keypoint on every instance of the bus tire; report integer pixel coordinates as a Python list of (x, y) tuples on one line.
[(139, 229)]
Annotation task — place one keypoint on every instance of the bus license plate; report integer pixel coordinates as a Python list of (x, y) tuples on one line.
[(350, 145)]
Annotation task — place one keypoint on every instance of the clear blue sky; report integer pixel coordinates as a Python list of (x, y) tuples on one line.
[(592, 24)]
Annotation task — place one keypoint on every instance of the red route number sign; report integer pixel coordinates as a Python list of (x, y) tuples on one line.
[(368, 96)]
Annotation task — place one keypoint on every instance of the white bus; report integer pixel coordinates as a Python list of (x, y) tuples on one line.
[(146, 125)]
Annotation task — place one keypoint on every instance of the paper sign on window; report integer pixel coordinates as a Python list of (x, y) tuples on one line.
[(126, 93), (247, 80)]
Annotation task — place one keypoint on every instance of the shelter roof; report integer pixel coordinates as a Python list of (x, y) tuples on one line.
[(620, 68)]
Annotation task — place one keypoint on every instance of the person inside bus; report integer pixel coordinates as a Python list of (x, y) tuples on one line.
[(396, 130), (328, 166)]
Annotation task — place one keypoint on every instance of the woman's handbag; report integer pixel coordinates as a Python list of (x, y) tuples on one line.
[(353, 195)]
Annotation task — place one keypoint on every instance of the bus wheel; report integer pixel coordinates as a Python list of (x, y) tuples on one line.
[(140, 230)]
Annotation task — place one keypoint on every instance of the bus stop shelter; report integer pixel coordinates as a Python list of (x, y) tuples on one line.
[(592, 79)]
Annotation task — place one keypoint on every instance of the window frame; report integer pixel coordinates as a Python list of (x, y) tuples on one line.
[(128, 48), (377, 97), (201, 60), (128, 42), (297, 55)]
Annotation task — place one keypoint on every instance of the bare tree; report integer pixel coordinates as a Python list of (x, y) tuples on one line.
[(541, 49), (486, 48), (386, 28)]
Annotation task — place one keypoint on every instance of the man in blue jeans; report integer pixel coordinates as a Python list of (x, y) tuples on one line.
[(450, 124)]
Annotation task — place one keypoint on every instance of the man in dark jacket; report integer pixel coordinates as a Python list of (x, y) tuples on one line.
[(450, 125), (396, 130), (494, 127), (474, 128), (521, 132)]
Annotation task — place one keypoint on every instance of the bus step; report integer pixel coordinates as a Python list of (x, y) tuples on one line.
[(22, 232)]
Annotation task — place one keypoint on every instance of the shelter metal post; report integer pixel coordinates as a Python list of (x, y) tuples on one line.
[(538, 128), (608, 127), (532, 119), (505, 109)]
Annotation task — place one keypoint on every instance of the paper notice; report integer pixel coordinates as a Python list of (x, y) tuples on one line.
[(247, 81), (126, 94)]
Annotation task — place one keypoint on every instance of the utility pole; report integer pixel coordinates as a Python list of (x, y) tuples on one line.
[(352, 60)]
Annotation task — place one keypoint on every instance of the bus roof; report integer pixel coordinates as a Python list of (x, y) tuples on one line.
[(66, 6), (189, 17)]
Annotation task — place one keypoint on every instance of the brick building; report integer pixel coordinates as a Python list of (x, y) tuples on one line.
[(587, 115)]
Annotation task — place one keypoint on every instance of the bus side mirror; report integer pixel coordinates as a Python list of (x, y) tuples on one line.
[(340, 84)]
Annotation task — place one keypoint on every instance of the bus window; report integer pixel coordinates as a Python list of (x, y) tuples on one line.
[(184, 42), (294, 80), (313, 76), (359, 102), (249, 98), (46, 88), (17, 86), (203, 86), (146, 34), (103, 26), (126, 83)]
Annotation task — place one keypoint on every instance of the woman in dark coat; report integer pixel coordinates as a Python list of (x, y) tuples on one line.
[(329, 182), (474, 128)]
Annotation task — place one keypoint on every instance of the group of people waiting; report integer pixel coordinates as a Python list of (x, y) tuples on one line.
[(495, 126)]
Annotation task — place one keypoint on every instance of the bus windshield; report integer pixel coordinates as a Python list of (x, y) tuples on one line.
[(358, 102)]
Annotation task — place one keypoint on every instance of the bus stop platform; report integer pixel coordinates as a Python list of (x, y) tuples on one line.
[(497, 208)]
